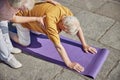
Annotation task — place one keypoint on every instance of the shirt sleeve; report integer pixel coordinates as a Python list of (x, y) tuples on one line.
[(51, 30)]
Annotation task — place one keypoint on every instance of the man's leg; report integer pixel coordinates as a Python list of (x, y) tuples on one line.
[(22, 36), (5, 54), (4, 28)]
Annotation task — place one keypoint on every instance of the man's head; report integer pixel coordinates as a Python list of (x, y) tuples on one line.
[(22, 3), (71, 24)]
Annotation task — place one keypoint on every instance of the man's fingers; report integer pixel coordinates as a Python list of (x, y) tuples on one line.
[(92, 50), (95, 50), (86, 50), (75, 68), (78, 68)]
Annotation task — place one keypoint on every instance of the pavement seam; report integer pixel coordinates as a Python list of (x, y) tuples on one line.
[(106, 31), (115, 66), (62, 70), (107, 2), (109, 46), (116, 2), (100, 7)]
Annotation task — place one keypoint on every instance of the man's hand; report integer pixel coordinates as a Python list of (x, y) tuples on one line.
[(53, 2), (89, 49), (75, 66)]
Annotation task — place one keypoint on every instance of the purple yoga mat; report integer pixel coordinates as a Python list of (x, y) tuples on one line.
[(41, 47)]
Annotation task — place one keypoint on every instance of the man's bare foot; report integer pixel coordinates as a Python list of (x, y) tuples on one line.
[(75, 66)]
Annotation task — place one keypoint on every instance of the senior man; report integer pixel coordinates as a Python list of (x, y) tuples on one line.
[(57, 18)]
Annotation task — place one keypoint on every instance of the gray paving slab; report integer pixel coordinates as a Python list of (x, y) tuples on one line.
[(117, 0), (111, 10), (90, 5), (68, 75), (75, 10), (115, 73), (67, 4), (93, 25), (112, 37), (33, 69)]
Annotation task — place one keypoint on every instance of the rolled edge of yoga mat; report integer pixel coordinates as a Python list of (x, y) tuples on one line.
[(97, 61)]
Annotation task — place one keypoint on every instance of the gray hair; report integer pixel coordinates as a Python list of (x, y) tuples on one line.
[(19, 3), (29, 4), (72, 23), (15, 3)]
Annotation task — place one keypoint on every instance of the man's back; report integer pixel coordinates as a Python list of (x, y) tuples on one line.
[(54, 14), (41, 9)]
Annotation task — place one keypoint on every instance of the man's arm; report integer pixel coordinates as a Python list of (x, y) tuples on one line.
[(85, 46), (63, 54), (53, 35), (23, 19)]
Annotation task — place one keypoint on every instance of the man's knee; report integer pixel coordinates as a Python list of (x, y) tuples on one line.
[(23, 35)]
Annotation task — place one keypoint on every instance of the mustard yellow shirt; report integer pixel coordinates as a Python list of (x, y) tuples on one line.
[(54, 14)]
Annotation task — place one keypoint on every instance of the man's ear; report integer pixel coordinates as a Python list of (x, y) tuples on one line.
[(63, 17)]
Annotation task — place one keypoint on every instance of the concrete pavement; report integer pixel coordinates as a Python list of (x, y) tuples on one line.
[(100, 21)]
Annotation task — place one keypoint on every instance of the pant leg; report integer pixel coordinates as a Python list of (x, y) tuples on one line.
[(23, 35), (4, 28), (5, 54)]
